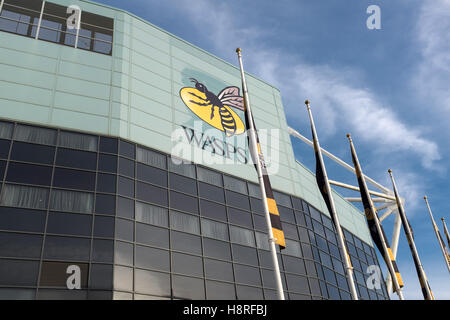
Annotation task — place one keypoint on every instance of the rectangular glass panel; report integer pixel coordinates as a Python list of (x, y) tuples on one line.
[(25, 197), (184, 222), (151, 214), (62, 200), (242, 236), (151, 158), (34, 134), (214, 229), (78, 141)]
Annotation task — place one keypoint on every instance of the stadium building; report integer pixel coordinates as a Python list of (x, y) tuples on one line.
[(95, 203)]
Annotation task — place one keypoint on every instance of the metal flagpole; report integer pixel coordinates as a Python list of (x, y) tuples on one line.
[(426, 290), (372, 218), (438, 236), (446, 232), (331, 206), (254, 151)]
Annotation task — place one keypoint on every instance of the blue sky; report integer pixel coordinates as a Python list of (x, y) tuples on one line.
[(388, 87)]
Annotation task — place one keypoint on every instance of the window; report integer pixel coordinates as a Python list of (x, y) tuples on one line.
[(292, 248), (234, 184), (151, 158), (74, 179), (76, 159), (18, 272), (54, 274), (96, 33), (78, 141), (123, 253), (188, 288), (183, 184), (237, 200), (218, 270), (109, 145), (245, 255), (22, 151), (104, 227), (282, 199), (124, 229), (123, 278), (242, 236), (4, 148), (107, 163), (211, 192), (20, 245), (102, 250), (183, 202), (216, 249), (151, 214), (151, 175), (239, 217), (180, 241), (209, 176), (125, 208), (220, 291), (249, 293), (35, 134), (126, 167), (106, 182), (22, 219), (24, 197), (150, 282), (62, 200), (70, 224), (182, 167), (247, 275), (29, 174), (20, 17), (293, 265), (126, 149), (101, 277), (151, 235), (187, 264), (152, 258), (64, 248), (105, 204), (184, 222), (149, 193), (213, 210), (126, 187), (254, 190), (297, 284), (214, 229)]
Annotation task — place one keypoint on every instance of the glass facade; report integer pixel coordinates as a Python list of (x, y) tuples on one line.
[(48, 21), (138, 226)]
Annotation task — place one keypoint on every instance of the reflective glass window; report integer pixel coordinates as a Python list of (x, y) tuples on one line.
[(70, 224), (152, 235), (107, 163), (126, 187), (220, 291), (213, 229), (24, 197), (237, 200), (22, 219), (242, 236), (149, 193), (182, 167), (151, 158), (35, 134), (247, 275), (213, 210), (187, 264), (29, 174), (249, 293), (28, 152), (297, 284), (18, 272), (245, 255), (234, 184), (183, 202), (209, 176), (74, 179), (218, 270), (106, 183), (4, 148), (151, 282), (102, 250), (123, 253), (152, 258), (151, 214), (183, 184), (239, 217), (188, 288), (103, 227), (62, 200), (125, 208), (123, 278), (65, 248), (56, 274), (211, 192), (77, 141), (282, 199), (126, 167), (151, 175), (216, 249), (185, 242), (105, 204), (20, 245), (124, 229), (126, 149), (286, 214), (184, 222), (294, 265), (101, 277), (108, 145)]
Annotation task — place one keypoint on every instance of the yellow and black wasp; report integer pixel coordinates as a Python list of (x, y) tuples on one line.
[(229, 97)]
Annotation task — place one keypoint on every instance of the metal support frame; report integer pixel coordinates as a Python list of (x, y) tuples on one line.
[(386, 196), (1, 5), (40, 20)]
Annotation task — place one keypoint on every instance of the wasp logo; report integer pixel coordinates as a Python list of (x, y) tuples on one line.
[(215, 110)]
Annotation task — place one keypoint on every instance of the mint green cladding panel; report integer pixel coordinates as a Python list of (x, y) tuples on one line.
[(135, 94)]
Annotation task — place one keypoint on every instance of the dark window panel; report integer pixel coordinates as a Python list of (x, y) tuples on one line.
[(28, 152), (322, 243), (342, 282), (246, 255), (149, 193), (265, 259), (183, 184), (303, 233), (323, 289), (69, 224), (297, 203), (105, 204), (74, 201), (237, 200), (307, 252), (293, 265), (151, 235), (257, 205), (4, 148), (312, 237), (286, 214), (247, 275), (318, 228), (239, 217), (125, 208), (292, 248), (331, 236), (242, 236), (126, 149), (151, 282), (29, 174), (211, 192), (107, 163), (102, 250), (218, 270), (282, 199), (234, 184), (184, 222), (106, 183), (17, 294), (330, 276), (152, 258), (213, 210), (18, 272), (216, 249), (209, 176), (248, 293), (188, 288), (182, 167), (187, 264), (124, 230), (22, 219), (151, 158), (126, 167), (126, 187), (65, 248), (262, 241), (101, 277), (76, 159), (183, 202), (180, 241), (108, 145), (254, 190), (123, 253), (103, 227), (290, 231), (151, 214), (220, 291), (74, 179), (297, 284), (56, 274), (260, 223), (20, 245), (300, 218), (214, 229), (151, 175), (311, 268)]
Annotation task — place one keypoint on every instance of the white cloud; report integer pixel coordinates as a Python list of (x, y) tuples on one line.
[(337, 97), (433, 40)]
